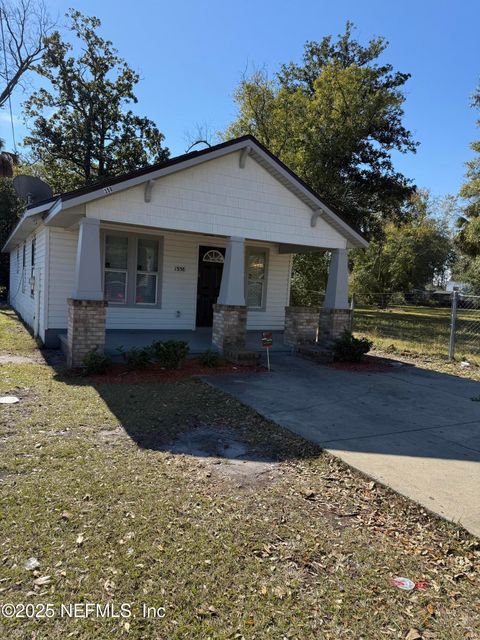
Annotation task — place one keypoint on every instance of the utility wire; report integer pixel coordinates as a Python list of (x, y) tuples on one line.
[(7, 78)]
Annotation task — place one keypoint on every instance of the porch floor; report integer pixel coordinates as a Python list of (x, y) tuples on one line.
[(199, 340)]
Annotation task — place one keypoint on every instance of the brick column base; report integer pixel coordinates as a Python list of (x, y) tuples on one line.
[(333, 322), (86, 329), (301, 324), (229, 326)]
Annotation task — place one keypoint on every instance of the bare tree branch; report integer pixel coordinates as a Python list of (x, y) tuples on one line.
[(26, 25)]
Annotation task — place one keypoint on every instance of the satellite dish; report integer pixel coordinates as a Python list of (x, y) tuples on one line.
[(32, 188)]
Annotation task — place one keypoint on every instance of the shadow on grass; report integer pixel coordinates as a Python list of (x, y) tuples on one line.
[(190, 416)]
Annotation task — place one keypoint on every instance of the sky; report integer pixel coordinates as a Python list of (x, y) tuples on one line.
[(191, 55)]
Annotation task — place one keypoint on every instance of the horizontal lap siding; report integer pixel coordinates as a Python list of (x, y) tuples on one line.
[(21, 301), (62, 251), (179, 290), (218, 197)]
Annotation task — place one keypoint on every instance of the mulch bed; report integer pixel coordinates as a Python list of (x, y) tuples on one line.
[(119, 374), (369, 364)]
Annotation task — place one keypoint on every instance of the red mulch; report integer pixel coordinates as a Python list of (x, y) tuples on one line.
[(369, 364), (119, 374)]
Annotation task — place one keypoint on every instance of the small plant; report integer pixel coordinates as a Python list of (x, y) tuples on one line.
[(210, 359), (347, 348), (170, 354), (95, 362), (136, 358)]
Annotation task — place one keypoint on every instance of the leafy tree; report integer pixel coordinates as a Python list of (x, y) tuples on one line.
[(335, 120), (309, 278), (25, 28), (468, 223), (82, 131), (7, 161), (408, 257), (11, 207)]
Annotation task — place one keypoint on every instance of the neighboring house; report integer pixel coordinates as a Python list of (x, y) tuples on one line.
[(154, 249)]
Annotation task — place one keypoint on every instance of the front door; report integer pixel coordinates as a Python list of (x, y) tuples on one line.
[(210, 267)]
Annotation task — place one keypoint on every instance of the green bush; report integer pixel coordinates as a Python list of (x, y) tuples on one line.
[(347, 348), (136, 358), (210, 359), (95, 362), (170, 354)]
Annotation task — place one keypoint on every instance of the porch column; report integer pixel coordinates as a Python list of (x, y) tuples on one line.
[(230, 312), (336, 316), (88, 271), (232, 287), (86, 307)]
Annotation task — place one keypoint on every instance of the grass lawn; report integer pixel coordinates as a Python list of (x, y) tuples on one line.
[(421, 330), (90, 488)]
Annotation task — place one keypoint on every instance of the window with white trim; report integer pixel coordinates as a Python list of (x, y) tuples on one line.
[(32, 268), (24, 254), (146, 280), (256, 272), (116, 268)]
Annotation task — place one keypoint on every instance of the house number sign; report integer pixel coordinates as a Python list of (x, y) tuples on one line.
[(179, 267)]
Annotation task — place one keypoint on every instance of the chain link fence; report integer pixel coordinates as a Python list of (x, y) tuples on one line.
[(465, 327), (445, 324), (431, 323)]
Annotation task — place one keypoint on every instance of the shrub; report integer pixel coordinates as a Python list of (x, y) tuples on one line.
[(210, 359), (95, 362), (347, 348), (170, 354), (136, 358)]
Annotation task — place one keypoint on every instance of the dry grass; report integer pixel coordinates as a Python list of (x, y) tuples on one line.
[(90, 488)]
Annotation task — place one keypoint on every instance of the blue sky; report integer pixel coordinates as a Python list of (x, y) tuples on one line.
[(191, 55)]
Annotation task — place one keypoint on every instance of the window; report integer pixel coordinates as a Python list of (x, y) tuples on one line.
[(18, 259), (132, 266), (32, 269), (116, 268), (147, 271), (256, 270), (23, 266)]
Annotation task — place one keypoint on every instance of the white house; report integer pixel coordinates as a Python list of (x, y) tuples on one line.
[(156, 249)]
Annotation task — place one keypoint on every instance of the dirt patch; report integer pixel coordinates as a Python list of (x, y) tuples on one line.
[(225, 455), (369, 364), (13, 359), (119, 374)]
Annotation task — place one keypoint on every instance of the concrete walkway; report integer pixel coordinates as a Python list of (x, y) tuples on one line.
[(414, 430)]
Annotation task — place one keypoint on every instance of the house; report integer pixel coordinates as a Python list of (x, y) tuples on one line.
[(202, 240)]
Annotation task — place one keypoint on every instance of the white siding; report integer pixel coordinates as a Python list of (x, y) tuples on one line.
[(179, 288), (219, 198), (62, 252), (28, 306)]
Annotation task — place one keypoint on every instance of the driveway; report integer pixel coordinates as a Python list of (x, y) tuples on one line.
[(414, 430)]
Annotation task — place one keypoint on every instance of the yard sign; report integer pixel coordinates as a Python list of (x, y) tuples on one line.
[(267, 341)]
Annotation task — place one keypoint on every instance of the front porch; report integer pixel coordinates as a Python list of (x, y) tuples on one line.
[(199, 340)]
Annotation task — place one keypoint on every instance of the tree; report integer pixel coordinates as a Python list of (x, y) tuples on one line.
[(309, 278), (7, 161), (468, 223), (335, 120), (409, 256), (25, 26), (11, 207), (82, 131)]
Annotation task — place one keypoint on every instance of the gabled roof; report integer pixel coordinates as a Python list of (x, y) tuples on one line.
[(49, 209)]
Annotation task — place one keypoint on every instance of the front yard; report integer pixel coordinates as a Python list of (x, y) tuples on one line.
[(287, 543)]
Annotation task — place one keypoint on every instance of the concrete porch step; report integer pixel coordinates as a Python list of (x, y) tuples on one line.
[(315, 352)]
